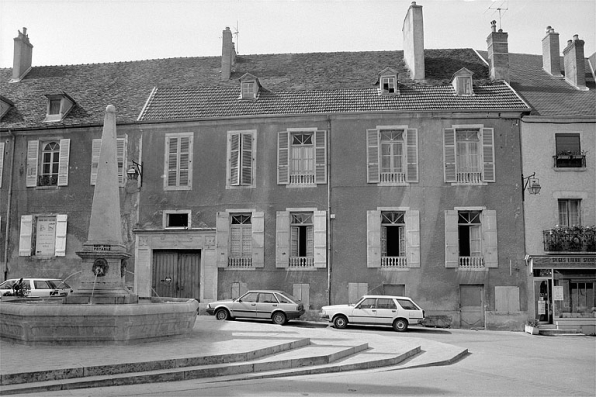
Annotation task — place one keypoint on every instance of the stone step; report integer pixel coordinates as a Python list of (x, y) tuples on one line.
[(559, 332)]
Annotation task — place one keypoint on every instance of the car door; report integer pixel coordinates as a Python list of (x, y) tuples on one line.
[(386, 311), (42, 288), (364, 312), (246, 305), (266, 303), (409, 309)]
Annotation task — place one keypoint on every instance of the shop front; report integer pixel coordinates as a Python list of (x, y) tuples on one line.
[(563, 291)]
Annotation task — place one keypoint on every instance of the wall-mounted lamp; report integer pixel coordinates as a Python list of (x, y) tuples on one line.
[(135, 172), (532, 183)]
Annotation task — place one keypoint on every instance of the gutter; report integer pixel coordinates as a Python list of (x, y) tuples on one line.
[(7, 229)]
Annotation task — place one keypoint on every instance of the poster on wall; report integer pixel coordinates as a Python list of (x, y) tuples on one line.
[(45, 235), (558, 293), (541, 307)]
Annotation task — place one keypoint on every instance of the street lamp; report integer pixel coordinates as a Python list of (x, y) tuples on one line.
[(135, 172), (532, 183)]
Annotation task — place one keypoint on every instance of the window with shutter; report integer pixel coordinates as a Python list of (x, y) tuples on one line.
[(393, 240), (43, 235), (178, 161), (302, 158), (241, 159), (392, 155), (468, 153), (1, 161)]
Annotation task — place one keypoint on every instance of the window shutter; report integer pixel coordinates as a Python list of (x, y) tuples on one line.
[(412, 155), (488, 154), (449, 154), (32, 158), (234, 152), (26, 233), (185, 169), (121, 160), (63, 162), (258, 239), (356, 290), (1, 161), (95, 150), (247, 159), (283, 159), (451, 239), (372, 156), (60, 247), (171, 161), (222, 240), (373, 238), (413, 238), (320, 157), (489, 237), (282, 239), (320, 238)]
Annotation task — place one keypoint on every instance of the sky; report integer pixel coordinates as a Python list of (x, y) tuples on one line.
[(66, 32)]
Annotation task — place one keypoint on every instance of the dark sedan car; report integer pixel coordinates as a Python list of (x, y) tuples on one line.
[(278, 306)]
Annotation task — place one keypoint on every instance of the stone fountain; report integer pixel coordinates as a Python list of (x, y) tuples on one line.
[(101, 310)]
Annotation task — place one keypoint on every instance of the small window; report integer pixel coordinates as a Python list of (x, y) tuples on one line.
[(58, 106), (569, 212), (55, 106), (387, 82), (177, 219), (249, 86), (568, 151), (388, 85), (462, 82)]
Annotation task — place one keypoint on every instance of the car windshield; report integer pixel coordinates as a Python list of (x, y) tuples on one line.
[(287, 298), (7, 284)]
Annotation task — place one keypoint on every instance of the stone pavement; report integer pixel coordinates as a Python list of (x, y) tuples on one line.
[(216, 350)]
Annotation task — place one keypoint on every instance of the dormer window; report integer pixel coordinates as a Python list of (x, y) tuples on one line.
[(5, 105), (249, 86), (387, 81), (58, 107), (462, 82)]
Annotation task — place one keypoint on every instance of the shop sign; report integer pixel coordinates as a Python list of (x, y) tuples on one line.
[(46, 235), (541, 307), (564, 262), (558, 293)]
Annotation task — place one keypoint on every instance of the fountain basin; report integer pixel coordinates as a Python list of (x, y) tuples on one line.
[(50, 322)]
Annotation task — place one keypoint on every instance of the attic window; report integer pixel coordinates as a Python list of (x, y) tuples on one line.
[(462, 82), (5, 105), (248, 90), (58, 107), (388, 85)]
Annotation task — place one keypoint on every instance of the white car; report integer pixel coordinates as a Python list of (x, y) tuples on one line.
[(396, 311), (35, 287)]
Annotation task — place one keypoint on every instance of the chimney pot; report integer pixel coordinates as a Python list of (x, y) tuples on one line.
[(493, 26), (575, 37)]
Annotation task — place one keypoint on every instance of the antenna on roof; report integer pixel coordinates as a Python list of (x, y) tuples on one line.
[(500, 9), (236, 33)]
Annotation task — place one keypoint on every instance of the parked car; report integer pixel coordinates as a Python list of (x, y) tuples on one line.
[(396, 311), (278, 306), (34, 287)]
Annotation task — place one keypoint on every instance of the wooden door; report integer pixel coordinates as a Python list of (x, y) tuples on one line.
[(176, 273), (471, 302)]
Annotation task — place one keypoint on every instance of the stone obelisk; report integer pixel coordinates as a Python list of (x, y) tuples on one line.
[(104, 254)]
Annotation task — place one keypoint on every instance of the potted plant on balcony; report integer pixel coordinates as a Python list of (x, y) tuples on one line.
[(531, 326)]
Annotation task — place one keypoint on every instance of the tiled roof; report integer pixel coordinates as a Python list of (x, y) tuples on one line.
[(291, 81), (547, 95), (173, 103)]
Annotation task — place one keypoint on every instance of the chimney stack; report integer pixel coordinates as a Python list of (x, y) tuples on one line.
[(551, 53), (575, 63), (413, 34), (23, 51), (498, 53), (228, 55)]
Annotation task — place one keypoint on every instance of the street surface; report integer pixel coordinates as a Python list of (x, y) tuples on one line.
[(499, 364)]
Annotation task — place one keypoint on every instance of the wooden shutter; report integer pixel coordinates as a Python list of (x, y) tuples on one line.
[(356, 290), (412, 155), (373, 238), (320, 157), (413, 238), (301, 292), (185, 162), (32, 159), (283, 158), (258, 239), (372, 156), (63, 162), (449, 155), (95, 151), (451, 239), (60, 246), (488, 154), (282, 239), (1, 161), (222, 240), (171, 161), (247, 160), (121, 160), (26, 233), (320, 238), (234, 160), (489, 238)]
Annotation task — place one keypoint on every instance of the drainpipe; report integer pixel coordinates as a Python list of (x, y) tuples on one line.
[(329, 226), (7, 229)]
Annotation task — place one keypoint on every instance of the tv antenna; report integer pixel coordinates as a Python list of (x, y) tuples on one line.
[(236, 33), (500, 9)]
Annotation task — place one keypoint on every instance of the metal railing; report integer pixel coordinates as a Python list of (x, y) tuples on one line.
[(469, 177), (394, 261), (570, 239), (302, 179), (302, 261), (471, 262), (393, 177), (240, 261)]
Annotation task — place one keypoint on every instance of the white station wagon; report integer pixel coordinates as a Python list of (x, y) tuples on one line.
[(396, 311)]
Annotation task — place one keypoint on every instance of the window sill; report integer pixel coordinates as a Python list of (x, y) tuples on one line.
[(233, 187), (472, 269), (304, 269), (570, 169), (469, 184), (394, 269), (393, 184), (306, 185), (231, 268)]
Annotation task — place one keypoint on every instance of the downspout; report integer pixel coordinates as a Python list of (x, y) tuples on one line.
[(7, 229), (329, 226)]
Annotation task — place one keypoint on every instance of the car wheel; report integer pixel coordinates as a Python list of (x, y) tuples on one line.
[(340, 322), (278, 318), (222, 314), (400, 325)]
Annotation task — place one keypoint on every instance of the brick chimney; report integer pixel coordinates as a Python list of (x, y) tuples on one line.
[(551, 62), (498, 53), (23, 51), (413, 34), (575, 63), (228, 55)]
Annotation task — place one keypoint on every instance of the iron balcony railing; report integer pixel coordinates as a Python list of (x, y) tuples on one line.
[(570, 239)]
